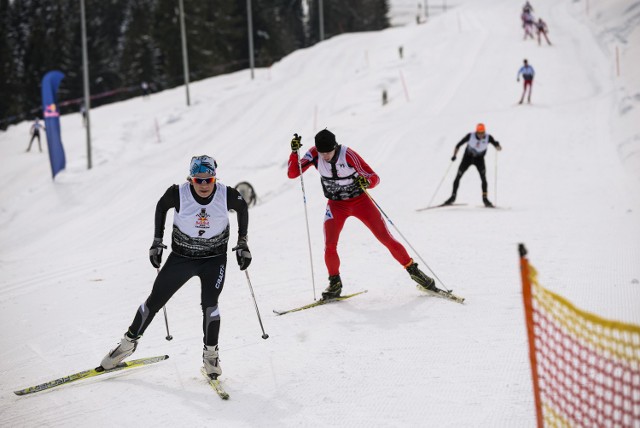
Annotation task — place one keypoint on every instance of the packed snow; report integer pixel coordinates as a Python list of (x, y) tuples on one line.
[(74, 257)]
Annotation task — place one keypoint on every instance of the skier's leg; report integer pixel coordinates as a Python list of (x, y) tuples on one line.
[(39, 145), (464, 165), (367, 212), (482, 170), (530, 87), (212, 275), (30, 142), (335, 216), (176, 271)]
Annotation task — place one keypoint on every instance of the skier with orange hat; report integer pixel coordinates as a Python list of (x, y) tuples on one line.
[(477, 143)]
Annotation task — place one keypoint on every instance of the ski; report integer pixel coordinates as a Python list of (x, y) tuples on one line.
[(495, 207), (448, 295), (440, 206), (90, 373), (215, 384), (319, 303)]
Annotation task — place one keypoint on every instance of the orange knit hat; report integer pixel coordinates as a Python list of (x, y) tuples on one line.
[(480, 127)]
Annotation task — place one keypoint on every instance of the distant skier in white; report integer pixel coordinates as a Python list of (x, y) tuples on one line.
[(198, 248), (542, 29), (528, 22), (35, 133), (477, 143)]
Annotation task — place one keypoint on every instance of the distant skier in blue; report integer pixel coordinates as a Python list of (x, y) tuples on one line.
[(527, 72)]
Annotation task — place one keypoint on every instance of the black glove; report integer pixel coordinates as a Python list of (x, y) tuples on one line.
[(295, 143), (243, 255), (362, 182), (155, 252), (453, 158)]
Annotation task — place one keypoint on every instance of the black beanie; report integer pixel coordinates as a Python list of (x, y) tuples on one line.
[(325, 141)]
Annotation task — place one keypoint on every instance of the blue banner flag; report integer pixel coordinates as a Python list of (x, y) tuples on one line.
[(50, 83)]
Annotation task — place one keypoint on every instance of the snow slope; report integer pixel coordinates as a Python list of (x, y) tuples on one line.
[(74, 263)]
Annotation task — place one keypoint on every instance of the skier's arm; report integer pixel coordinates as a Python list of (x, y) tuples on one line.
[(310, 158), (236, 202), (495, 143), (170, 199), (460, 144), (362, 168)]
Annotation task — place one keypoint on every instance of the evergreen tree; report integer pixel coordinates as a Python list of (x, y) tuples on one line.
[(6, 66), (278, 29), (130, 41), (168, 48), (137, 59), (344, 17)]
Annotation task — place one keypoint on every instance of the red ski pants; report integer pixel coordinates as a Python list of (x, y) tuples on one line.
[(364, 210)]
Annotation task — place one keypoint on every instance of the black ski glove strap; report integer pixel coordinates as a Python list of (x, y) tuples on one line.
[(155, 252), (243, 255)]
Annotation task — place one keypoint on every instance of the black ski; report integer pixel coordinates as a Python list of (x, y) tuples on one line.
[(440, 206), (448, 295)]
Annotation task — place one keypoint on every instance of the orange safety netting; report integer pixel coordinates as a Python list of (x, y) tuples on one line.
[(586, 369)]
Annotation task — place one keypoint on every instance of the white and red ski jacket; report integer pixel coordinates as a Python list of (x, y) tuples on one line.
[(337, 175)]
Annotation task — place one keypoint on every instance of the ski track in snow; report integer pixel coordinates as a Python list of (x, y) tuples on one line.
[(74, 264)]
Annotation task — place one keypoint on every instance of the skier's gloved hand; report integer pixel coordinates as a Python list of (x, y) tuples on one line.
[(498, 146), (155, 252), (362, 182), (453, 158), (295, 143), (243, 255)]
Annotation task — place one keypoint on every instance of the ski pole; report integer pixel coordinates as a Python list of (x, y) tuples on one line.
[(495, 179), (166, 321), (406, 240), (306, 218), (265, 336), (441, 181)]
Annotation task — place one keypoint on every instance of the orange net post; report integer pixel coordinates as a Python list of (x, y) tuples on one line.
[(585, 369)]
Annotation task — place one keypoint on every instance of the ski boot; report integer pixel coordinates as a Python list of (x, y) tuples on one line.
[(487, 202), (334, 289), (211, 360), (451, 200), (425, 283), (125, 348)]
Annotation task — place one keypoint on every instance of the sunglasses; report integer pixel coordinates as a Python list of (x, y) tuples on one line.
[(205, 180)]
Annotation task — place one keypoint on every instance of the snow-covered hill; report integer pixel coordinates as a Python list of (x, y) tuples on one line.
[(74, 264)]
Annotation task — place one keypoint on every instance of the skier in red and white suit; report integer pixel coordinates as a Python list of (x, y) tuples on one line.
[(345, 176)]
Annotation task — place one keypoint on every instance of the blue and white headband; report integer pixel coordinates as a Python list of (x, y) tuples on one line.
[(203, 164)]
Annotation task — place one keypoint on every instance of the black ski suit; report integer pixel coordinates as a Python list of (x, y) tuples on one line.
[(182, 266), (473, 156)]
